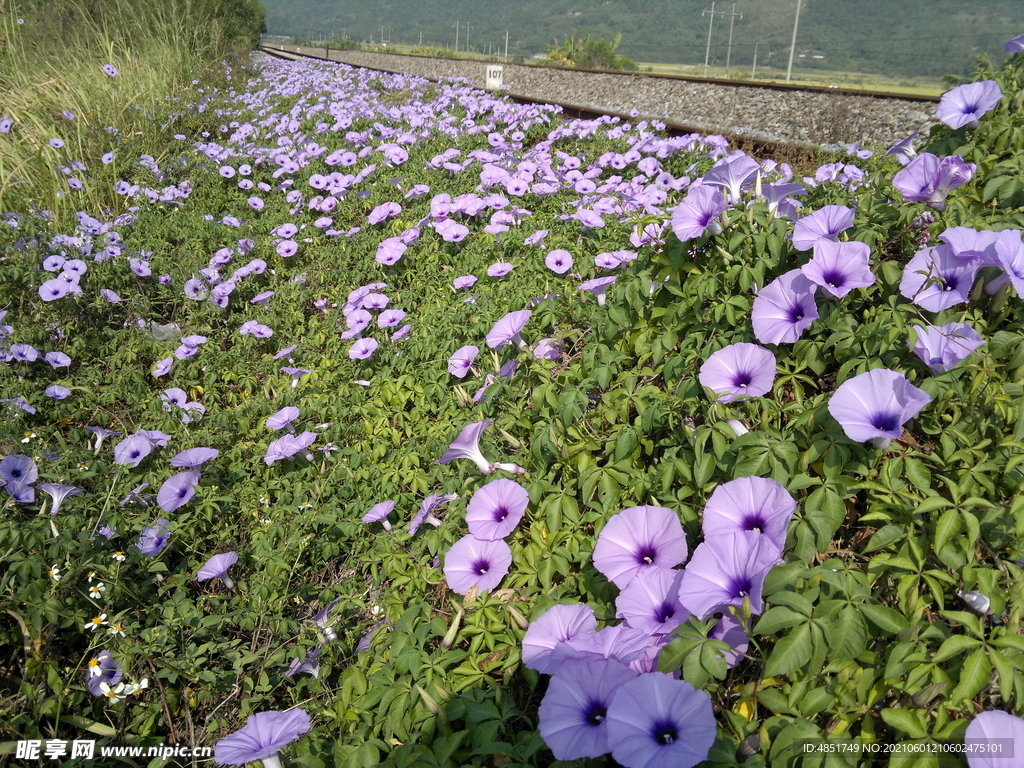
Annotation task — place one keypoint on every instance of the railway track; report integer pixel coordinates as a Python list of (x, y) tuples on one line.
[(799, 119)]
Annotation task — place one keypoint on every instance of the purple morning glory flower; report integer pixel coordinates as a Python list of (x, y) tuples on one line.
[(310, 665), (217, 568), (53, 263), (650, 602), (964, 105), (875, 405), (547, 349), (471, 562), (57, 359), (174, 397), (655, 721), (466, 281), (507, 330), (258, 330), (18, 473), (732, 174), (102, 669), (194, 457), (500, 269), (460, 362), (985, 728), (426, 512), (110, 296), (154, 538), (57, 392), (101, 435), (283, 418), (929, 178), (739, 371), (287, 446), (107, 532), (379, 513), (729, 629), (559, 261), (698, 214), (375, 301), (839, 267), (467, 446), (155, 436), (261, 298), (536, 238), (177, 490), (389, 318), (382, 212), (195, 289), (1016, 45), (451, 231), (495, 509), (621, 643), (295, 373), (363, 349), (53, 289), (726, 569), (390, 251), (262, 737), (573, 713), (784, 308), (639, 538), (824, 224), (598, 286), (58, 493), (108, 69), (558, 624), (936, 279), (750, 504), (945, 347), (163, 367), (132, 450), (286, 352), (287, 248), (24, 353)]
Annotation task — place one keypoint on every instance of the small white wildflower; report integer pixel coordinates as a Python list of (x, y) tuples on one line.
[(28, 437), (55, 572), (96, 590), (116, 629), (119, 556), (117, 693), (96, 621)]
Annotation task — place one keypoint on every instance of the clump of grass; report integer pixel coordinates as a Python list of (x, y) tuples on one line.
[(94, 75)]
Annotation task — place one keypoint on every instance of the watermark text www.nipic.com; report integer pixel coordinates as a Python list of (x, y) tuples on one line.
[(54, 749)]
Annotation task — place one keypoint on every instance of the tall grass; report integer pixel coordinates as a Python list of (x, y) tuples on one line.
[(52, 56)]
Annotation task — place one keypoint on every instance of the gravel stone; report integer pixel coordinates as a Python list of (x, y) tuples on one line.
[(773, 115)]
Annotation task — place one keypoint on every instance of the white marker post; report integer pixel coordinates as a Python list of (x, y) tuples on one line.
[(494, 72)]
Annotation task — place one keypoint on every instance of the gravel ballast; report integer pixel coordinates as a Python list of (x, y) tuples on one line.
[(773, 115)]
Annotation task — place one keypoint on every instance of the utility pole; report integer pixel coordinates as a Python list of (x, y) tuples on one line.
[(421, 39), (467, 36), (707, 52), (456, 37), (792, 46), (506, 46), (753, 69), (728, 55)]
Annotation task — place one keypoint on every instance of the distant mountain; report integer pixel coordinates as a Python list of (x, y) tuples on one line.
[(898, 38)]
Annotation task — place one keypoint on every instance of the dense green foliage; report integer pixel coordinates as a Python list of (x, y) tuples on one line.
[(51, 59), (587, 53), (915, 38), (865, 636)]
